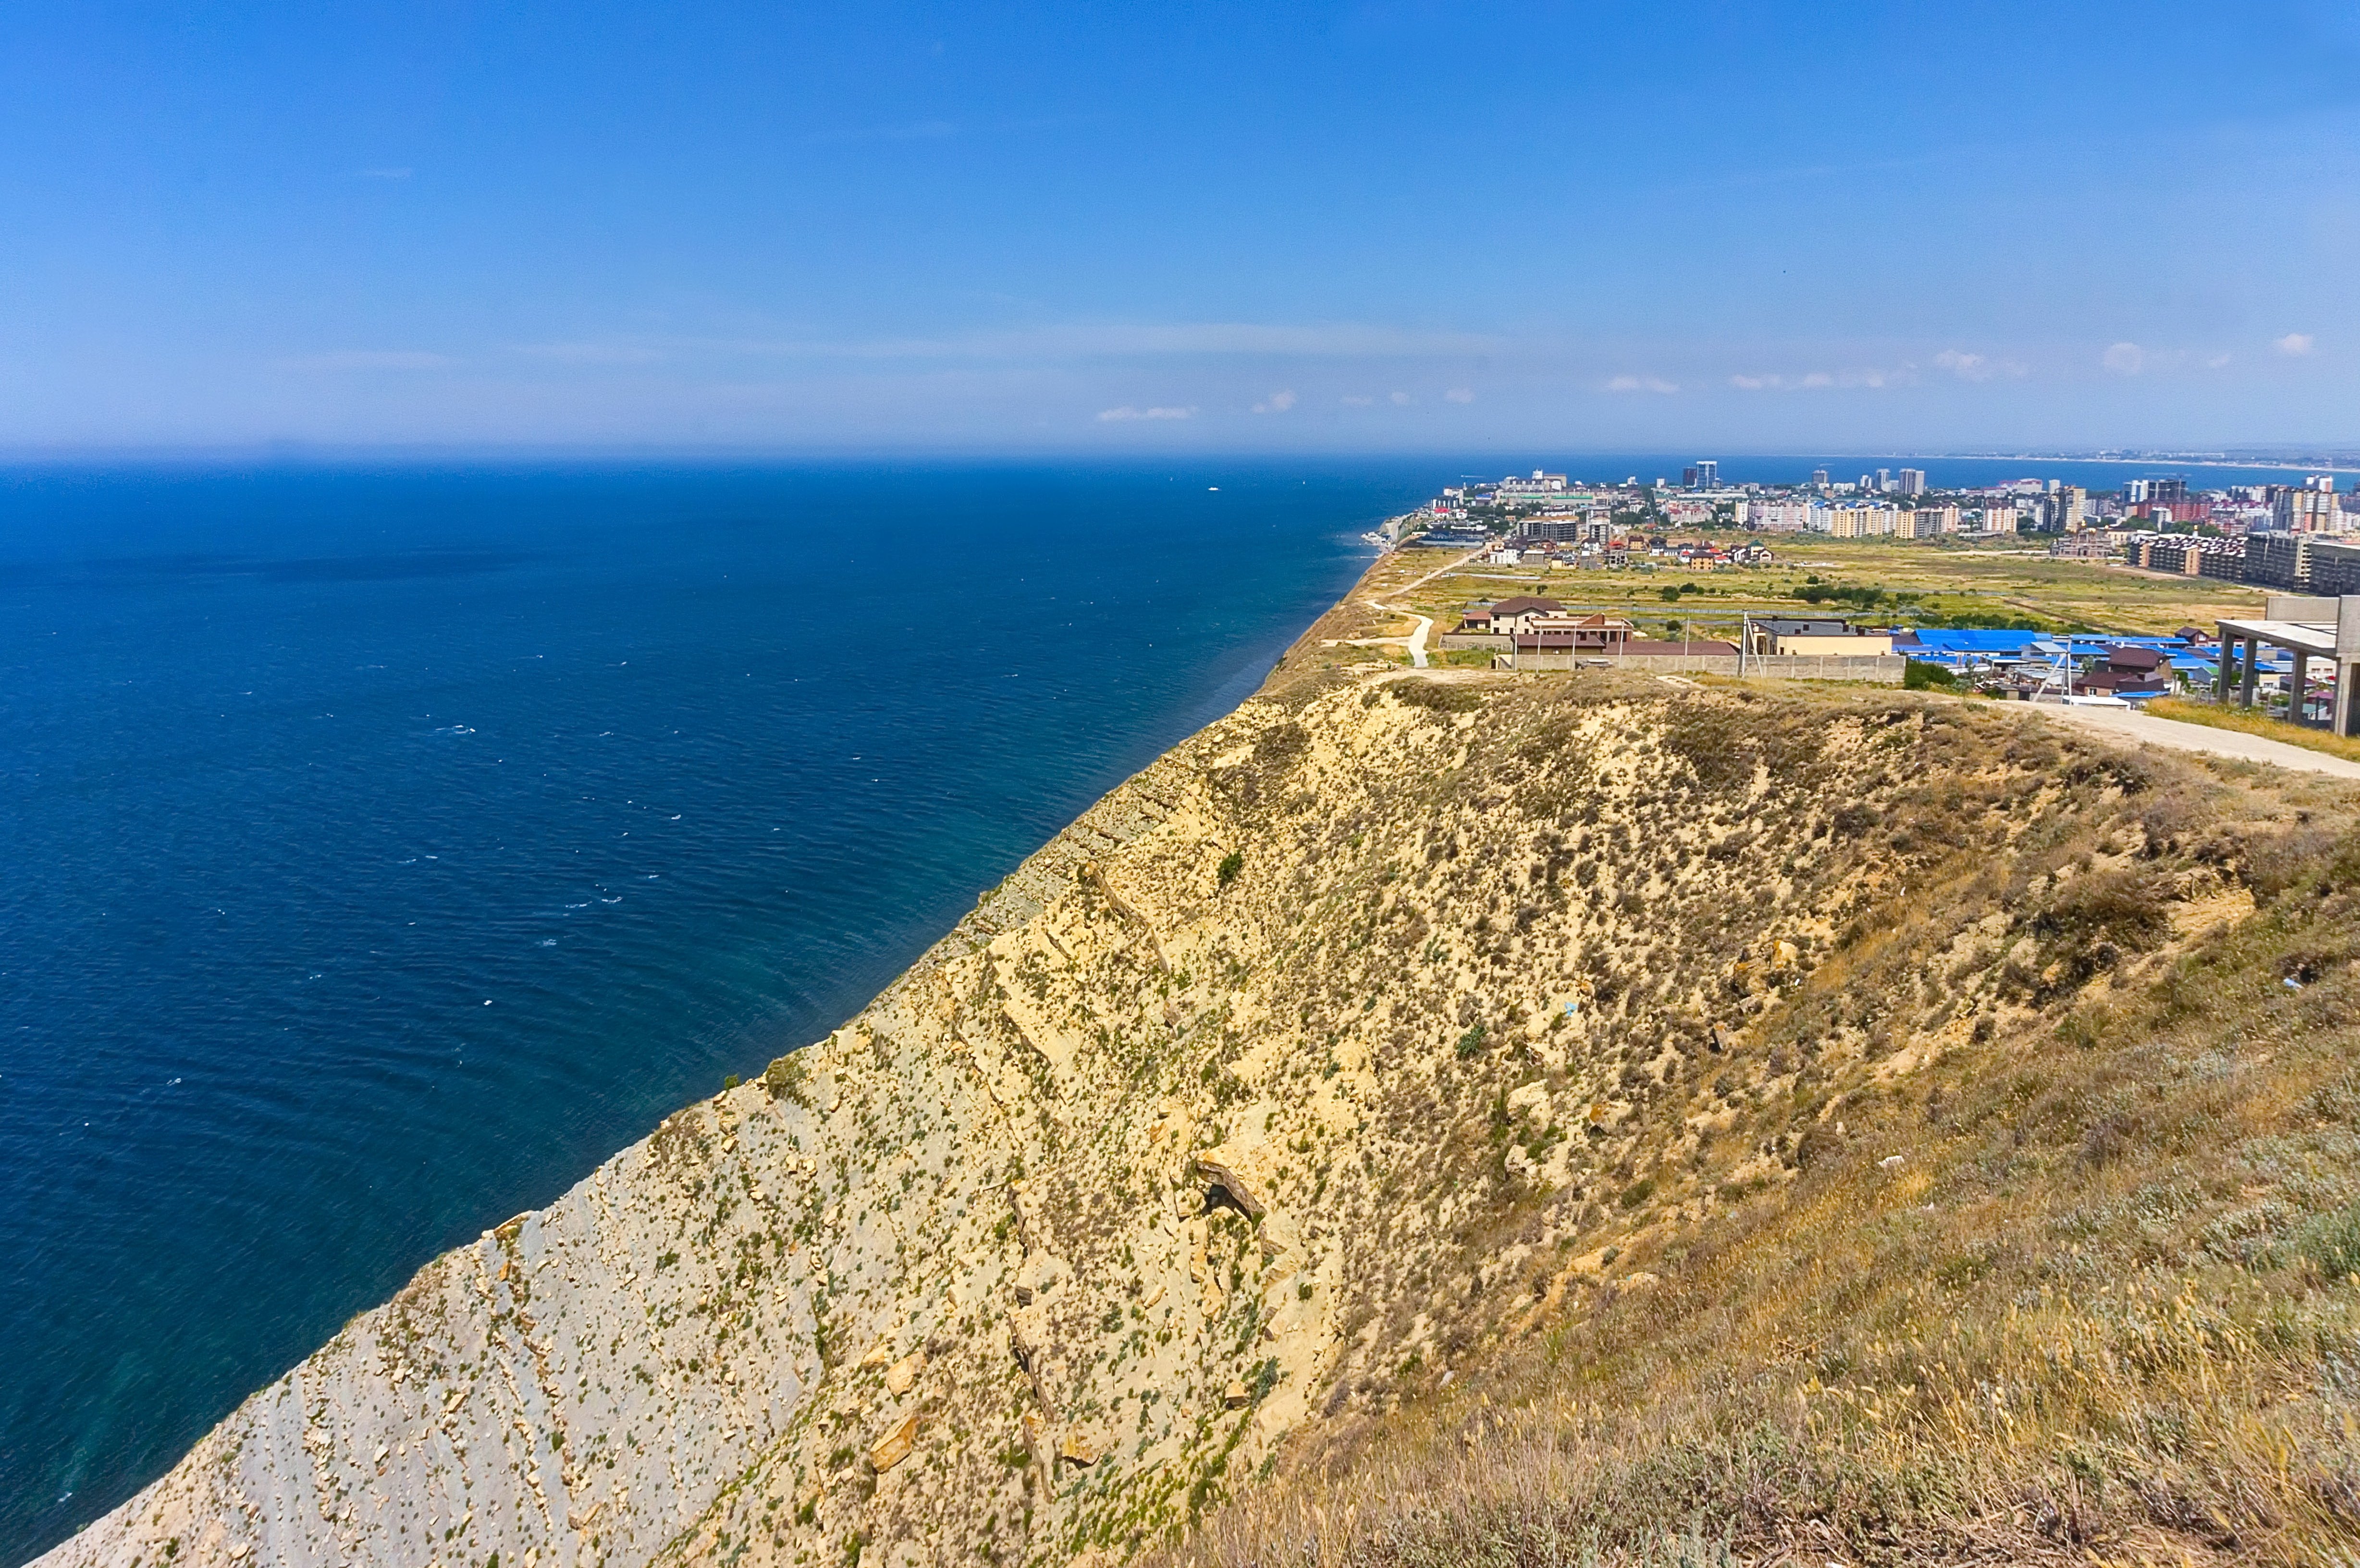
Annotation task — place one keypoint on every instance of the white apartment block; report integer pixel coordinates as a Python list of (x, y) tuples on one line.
[(1779, 516), (1861, 522)]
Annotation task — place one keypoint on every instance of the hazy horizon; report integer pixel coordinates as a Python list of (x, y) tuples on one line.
[(1384, 227)]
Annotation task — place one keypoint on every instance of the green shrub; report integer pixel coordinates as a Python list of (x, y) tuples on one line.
[(788, 1079), (2332, 1242), (1231, 863), (1437, 697), (2099, 917), (1921, 676)]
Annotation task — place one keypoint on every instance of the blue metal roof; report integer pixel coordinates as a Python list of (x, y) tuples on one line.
[(1958, 647), (1973, 639)]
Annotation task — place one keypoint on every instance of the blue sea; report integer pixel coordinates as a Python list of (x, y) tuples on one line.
[(380, 849)]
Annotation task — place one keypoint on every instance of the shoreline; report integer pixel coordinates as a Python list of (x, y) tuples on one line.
[(1102, 1200), (470, 1276)]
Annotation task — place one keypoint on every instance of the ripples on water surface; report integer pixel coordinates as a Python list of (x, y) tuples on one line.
[(380, 850)]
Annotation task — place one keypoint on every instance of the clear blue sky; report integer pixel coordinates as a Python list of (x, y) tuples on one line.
[(1130, 227)]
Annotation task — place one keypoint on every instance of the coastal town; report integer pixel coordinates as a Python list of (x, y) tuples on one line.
[(2030, 588), (2302, 535)]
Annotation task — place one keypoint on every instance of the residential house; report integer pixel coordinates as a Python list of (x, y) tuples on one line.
[(1818, 636), (1570, 634), (2127, 672), (1517, 615)]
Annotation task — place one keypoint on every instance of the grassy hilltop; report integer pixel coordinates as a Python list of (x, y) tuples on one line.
[(2013, 1219)]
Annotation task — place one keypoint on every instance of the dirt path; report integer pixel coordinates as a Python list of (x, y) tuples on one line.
[(2129, 724), (1415, 641)]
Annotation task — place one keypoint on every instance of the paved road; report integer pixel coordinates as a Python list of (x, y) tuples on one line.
[(2129, 724)]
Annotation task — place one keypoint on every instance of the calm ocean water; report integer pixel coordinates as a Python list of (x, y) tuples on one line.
[(381, 850), (378, 851)]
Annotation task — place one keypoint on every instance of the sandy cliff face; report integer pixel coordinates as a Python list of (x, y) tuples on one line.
[(1310, 1062)]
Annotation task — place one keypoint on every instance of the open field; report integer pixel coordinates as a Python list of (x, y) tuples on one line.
[(1922, 582)]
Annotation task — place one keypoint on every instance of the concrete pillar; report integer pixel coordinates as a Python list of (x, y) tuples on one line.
[(2343, 718), (2294, 703), (2252, 657), (2225, 647)]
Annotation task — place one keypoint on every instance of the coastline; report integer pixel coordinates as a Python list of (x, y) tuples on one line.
[(1384, 1033), (259, 1462), (259, 1087)]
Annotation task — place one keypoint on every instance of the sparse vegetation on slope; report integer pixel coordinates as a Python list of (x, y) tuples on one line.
[(1454, 1120), (2065, 1261)]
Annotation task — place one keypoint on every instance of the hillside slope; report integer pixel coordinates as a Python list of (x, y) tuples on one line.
[(1413, 1083)]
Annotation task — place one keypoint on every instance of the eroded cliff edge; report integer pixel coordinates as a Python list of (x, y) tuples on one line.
[(1331, 1049)]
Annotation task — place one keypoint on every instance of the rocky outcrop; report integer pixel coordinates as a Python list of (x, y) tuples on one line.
[(1309, 1061)]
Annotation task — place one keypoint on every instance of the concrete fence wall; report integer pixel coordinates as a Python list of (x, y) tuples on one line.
[(1475, 640), (1886, 668)]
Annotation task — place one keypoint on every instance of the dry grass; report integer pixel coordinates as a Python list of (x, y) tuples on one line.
[(1951, 581), (2250, 721), (1333, 651), (2068, 1278)]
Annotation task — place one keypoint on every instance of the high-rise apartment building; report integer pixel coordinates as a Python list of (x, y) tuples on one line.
[(1913, 481), (1703, 474), (2068, 509), (2309, 508), (1883, 480), (1820, 477)]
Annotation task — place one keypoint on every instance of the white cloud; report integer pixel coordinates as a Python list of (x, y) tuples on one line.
[(2294, 344), (1276, 403), (2124, 359), (1128, 412), (1820, 380), (1063, 341), (2216, 362), (1459, 395), (1965, 366), (1400, 398), (367, 359), (1641, 383), (1119, 338)]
